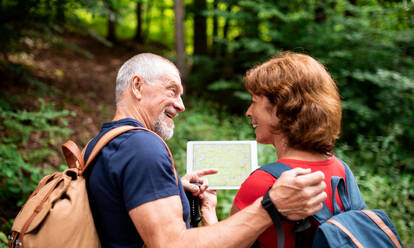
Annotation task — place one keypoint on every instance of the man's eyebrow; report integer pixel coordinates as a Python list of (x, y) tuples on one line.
[(172, 82)]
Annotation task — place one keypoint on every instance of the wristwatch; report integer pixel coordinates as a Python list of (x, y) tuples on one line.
[(268, 205)]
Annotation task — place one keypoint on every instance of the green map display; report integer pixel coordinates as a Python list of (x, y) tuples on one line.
[(234, 161)]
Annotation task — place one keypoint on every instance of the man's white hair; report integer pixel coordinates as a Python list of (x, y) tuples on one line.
[(147, 65)]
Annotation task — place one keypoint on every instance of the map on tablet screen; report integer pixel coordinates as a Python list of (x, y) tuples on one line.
[(235, 160)]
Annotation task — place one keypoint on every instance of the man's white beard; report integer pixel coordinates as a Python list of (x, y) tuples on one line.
[(161, 128)]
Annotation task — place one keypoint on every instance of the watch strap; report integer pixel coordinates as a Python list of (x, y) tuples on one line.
[(276, 217)]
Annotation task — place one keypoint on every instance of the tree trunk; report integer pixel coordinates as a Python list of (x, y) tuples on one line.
[(320, 15), (112, 19), (111, 36), (148, 19), (179, 12), (226, 29), (161, 8), (138, 31), (60, 11), (200, 28), (251, 23), (215, 30)]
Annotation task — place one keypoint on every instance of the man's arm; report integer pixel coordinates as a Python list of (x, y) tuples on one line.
[(160, 222), (295, 196)]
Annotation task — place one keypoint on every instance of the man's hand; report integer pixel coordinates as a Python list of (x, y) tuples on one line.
[(197, 177), (298, 193), (208, 198)]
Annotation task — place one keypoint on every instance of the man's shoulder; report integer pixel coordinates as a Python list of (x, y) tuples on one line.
[(142, 145), (143, 139)]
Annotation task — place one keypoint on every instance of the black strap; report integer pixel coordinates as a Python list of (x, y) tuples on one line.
[(276, 169), (300, 228), (276, 217), (256, 244), (194, 201), (299, 240)]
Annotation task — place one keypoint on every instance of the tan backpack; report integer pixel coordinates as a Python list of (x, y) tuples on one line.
[(57, 213)]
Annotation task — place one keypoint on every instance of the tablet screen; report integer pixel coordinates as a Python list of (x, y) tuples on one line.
[(235, 160)]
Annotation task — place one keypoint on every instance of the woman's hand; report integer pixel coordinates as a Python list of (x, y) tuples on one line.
[(208, 207)]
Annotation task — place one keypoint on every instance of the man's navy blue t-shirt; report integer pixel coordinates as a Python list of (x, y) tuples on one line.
[(132, 169)]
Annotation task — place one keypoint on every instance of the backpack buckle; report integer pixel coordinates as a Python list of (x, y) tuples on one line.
[(302, 225)]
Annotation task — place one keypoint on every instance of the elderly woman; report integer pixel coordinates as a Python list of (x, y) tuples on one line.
[(296, 108)]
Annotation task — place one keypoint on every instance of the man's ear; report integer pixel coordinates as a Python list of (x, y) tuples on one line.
[(135, 86)]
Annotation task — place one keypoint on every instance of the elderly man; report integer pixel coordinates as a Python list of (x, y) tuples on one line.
[(135, 194)]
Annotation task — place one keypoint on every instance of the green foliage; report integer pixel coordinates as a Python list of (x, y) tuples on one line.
[(3, 240), (20, 124), (32, 18), (26, 141), (384, 183), (205, 121), (30, 24), (368, 47), (94, 15), (12, 72), (392, 193)]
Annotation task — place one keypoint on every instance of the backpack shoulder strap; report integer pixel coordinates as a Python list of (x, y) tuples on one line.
[(104, 140), (107, 137), (354, 195), (74, 157), (275, 169), (72, 154), (349, 194)]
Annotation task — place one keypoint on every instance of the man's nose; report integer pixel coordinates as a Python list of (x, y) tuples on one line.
[(179, 105)]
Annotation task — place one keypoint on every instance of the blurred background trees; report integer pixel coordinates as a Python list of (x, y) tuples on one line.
[(367, 45)]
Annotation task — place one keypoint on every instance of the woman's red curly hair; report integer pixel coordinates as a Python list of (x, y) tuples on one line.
[(306, 99)]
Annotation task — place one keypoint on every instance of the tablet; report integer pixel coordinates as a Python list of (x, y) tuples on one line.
[(235, 160)]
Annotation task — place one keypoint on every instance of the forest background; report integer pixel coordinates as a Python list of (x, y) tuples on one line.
[(59, 58)]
